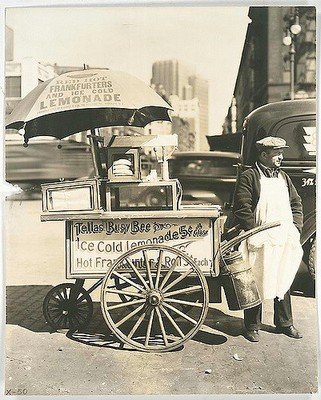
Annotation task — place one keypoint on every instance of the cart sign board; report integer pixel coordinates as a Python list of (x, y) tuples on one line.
[(92, 246)]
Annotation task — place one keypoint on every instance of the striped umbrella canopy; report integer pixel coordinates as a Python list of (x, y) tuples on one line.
[(82, 100)]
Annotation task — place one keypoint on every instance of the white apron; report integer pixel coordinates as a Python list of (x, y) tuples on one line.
[(275, 254)]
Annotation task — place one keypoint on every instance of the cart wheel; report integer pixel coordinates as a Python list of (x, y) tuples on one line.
[(150, 313), (61, 312)]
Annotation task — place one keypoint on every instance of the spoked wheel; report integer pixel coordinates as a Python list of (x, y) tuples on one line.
[(154, 312), (64, 310)]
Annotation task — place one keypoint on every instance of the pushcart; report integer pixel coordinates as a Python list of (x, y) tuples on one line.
[(152, 258)]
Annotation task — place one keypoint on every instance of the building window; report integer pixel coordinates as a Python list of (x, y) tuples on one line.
[(13, 86), (310, 77), (310, 64), (310, 36)]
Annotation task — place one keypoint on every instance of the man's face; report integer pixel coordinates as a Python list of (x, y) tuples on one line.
[(272, 158)]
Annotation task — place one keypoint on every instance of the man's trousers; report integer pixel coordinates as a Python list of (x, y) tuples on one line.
[(282, 314)]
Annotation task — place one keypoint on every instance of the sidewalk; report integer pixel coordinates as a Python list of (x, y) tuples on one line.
[(217, 360), (91, 362)]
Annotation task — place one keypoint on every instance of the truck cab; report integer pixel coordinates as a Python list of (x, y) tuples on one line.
[(294, 121)]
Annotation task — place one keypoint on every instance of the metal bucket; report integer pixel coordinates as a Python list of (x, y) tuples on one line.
[(238, 282)]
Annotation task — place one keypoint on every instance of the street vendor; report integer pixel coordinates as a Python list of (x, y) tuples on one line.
[(266, 194)]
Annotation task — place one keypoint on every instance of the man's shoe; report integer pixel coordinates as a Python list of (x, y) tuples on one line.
[(252, 336), (289, 331)]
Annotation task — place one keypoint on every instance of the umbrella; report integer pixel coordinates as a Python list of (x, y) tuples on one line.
[(82, 100)]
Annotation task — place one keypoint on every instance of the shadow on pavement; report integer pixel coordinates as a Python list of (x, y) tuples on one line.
[(209, 338), (24, 308), (228, 324), (225, 323), (105, 338), (303, 285)]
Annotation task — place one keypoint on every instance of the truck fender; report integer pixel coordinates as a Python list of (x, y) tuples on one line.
[(309, 227)]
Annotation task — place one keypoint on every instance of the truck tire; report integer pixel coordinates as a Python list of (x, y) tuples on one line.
[(312, 258)]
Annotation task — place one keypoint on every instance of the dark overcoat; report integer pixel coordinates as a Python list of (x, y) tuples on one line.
[(247, 194)]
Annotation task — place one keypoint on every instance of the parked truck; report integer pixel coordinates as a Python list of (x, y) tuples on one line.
[(294, 121)]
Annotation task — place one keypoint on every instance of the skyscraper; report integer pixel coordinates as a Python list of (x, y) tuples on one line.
[(176, 78), (173, 75), (200, 91)]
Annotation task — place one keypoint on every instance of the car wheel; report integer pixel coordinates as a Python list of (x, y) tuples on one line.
[(312, 258)]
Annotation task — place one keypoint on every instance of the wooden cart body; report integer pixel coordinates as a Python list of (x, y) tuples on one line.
[(94, 242), (161, 256)]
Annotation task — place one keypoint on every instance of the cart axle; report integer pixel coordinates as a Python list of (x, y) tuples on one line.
[(154, 297)]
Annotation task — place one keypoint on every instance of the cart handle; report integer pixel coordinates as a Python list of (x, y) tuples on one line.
[(226, 246)]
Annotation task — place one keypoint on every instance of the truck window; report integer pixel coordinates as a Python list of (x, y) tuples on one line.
[(301, 139)]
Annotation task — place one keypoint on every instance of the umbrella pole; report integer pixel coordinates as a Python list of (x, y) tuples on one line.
[(95, 140)]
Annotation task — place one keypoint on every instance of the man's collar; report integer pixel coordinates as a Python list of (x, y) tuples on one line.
[(268, 172)]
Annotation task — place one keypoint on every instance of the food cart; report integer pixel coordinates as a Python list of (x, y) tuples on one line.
[(151, 256)]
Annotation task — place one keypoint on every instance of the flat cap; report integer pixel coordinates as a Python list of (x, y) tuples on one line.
[(271, 142)]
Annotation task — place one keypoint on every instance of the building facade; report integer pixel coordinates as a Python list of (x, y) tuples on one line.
[(22, 77), (173, 79), (186, 122), (200, 92), (264, 71), (173, 75), (9, 43)]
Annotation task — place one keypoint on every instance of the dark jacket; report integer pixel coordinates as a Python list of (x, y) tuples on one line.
[(247, 195)]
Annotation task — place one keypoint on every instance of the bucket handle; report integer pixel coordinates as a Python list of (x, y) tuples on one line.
[(226, 246)]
